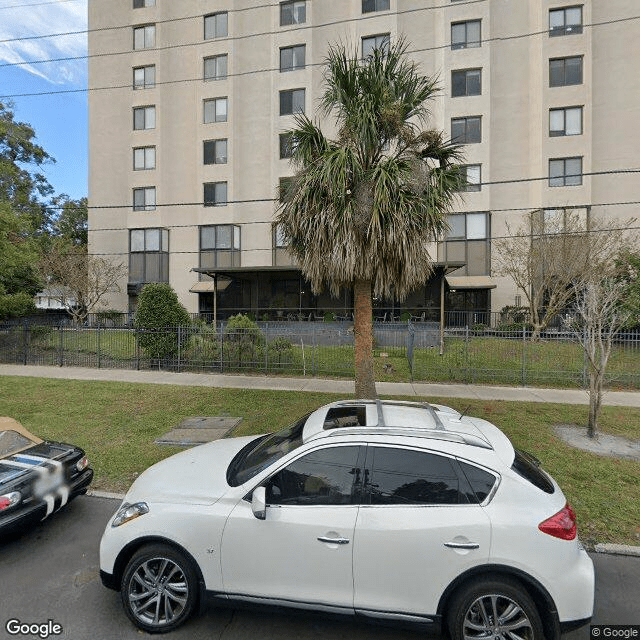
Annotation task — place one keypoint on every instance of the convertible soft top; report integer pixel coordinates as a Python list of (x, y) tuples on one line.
[(9, 424)]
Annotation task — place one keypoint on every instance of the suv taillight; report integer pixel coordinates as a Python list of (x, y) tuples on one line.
[(561, 525)]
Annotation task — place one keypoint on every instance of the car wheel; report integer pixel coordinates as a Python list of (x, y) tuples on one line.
[(159, 588), (498, 609)]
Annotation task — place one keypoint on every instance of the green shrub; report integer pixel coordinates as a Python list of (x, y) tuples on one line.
[(243, 341), (16, 305), (515, 327), (478, 328), (329, 316), (405, 316), (158, 317), (110, 316)]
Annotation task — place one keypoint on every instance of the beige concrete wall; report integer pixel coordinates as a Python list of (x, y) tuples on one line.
[(514, 107)]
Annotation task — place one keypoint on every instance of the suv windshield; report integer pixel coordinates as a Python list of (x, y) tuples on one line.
[(261, 453)]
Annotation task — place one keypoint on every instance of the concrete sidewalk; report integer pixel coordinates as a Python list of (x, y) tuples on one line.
[(345, 387)]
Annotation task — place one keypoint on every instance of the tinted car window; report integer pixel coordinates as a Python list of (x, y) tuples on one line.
[(261, 453), (528, 467), (322, 477), (481, 481), (402, 476)]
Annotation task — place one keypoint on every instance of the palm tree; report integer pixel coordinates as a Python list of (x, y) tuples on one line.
[(362, 209)]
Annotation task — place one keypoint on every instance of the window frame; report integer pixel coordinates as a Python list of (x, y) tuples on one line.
[(564, 176), (468, 85), (145, 29), (565, 60), (145, 84), (144, 109), (215, 109), (234, 250), (215, 202), (215, 142), (294, 49), (294, 4), (162, 252), (386, 6), (143, 4), (215, 15), (283, 92), (565, 29), (466, 119), (385, 39), (470, 187), (146, 205), (466, 44), (215, 58), (144, 166), (560, 133)]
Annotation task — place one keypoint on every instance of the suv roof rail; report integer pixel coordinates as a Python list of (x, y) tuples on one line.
[(433, 434)]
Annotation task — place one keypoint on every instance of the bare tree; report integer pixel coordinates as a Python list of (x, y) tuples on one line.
[(77, 280), (549, 253), (601, 314)]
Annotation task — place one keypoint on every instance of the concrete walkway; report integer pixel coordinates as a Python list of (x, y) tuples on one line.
[(345, 387)]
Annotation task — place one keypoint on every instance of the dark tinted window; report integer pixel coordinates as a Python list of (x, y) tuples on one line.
[(323, 477), (345, 417), (402, 476), (528, 467), (481, 481)]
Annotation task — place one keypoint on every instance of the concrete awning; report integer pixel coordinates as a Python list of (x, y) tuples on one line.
[(208, 286), (471, 282)]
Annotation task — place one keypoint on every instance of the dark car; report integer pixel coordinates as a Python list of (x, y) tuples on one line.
[(36, 477)]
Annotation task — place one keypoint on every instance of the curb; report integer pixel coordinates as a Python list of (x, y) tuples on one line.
[(105, 494), (617, 549)]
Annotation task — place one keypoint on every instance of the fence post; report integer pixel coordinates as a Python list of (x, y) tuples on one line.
[(25, 343), (585, 363), (221, 349), (467, 354), (137, 350), (266, 350), (524, 355), (61, 350), (179, 346), (98, 343), (314, 361)]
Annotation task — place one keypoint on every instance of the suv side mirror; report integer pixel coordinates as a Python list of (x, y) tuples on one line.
[(259, 503)]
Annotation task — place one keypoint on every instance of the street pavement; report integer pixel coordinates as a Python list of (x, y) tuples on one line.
[(51, 572), (418, 389)]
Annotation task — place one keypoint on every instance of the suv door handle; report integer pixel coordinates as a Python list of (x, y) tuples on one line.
[(462, 545), (334, 540)]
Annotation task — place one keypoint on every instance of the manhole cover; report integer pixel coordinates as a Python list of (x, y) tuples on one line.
[(199, 430)]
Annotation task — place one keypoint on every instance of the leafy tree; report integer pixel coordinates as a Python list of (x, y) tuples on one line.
[(159, 315), (629, 273), (362, 209), (71, 223)]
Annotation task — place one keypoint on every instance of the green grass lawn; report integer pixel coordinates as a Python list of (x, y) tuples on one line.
[(116, 423)]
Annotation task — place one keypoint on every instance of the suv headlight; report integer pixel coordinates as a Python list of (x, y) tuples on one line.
[(128, 512)]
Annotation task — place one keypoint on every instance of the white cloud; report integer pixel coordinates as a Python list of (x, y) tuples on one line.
[(54, 17)]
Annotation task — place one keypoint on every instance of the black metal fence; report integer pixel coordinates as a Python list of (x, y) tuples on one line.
[(402, 351)]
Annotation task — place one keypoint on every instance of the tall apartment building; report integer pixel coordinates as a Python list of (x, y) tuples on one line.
[(189, 100)]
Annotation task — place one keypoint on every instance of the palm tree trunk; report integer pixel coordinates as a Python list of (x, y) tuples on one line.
[(363, 330)]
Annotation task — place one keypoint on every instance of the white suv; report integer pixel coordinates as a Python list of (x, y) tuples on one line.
[(390, 510)]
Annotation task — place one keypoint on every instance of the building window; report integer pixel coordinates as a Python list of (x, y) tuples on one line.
[(555, 221), (215, 67), (148, 255), (144, 118), (465, 35), (283, 188), (369, 43), (470, 177), (144, 77), (565, 71), (215, 110), (215, 151), (144, 37), (565, 21), (144, 199), (215, 194), (565, 122), (293, 13), (216, 25), (466, 82), (291, 101), (468, 240), (374, 5), (219, 246), (286, 145), (144, 158), (140, 4), (565, 172), (466, 130), (292, 58), (280, 248)]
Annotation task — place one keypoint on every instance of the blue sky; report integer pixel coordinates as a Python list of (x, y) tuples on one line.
[(60, 121)]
